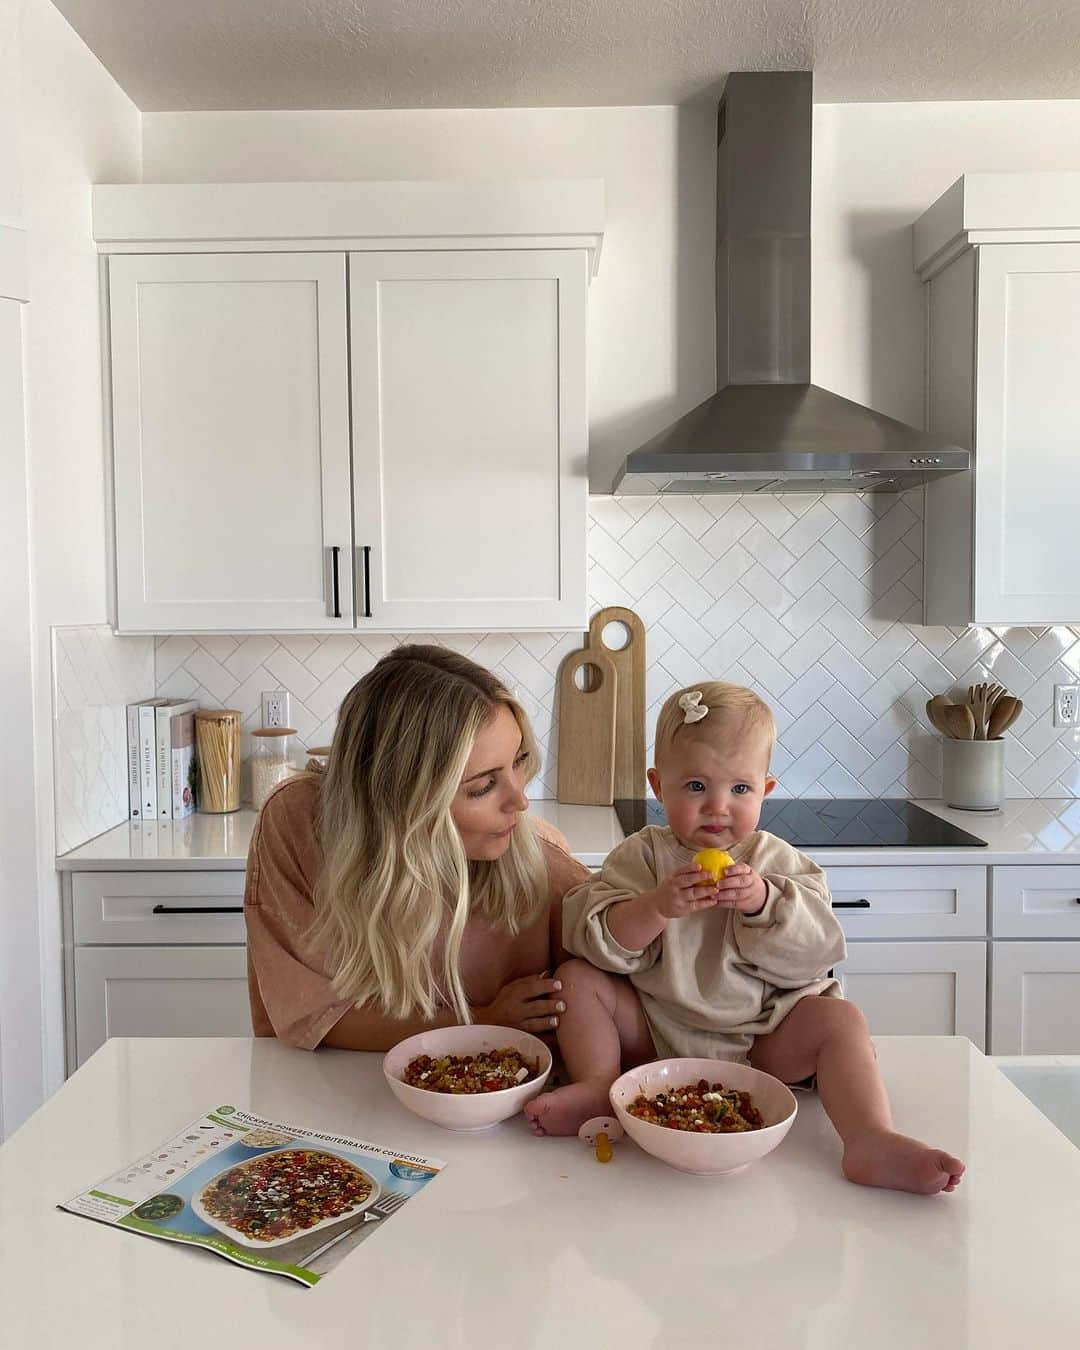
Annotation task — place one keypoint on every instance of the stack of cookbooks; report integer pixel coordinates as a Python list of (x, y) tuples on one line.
[(161, 758)]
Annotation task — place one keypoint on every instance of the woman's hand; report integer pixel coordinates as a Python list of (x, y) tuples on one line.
[(528, 1004)]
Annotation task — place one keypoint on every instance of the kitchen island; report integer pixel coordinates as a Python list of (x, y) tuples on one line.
[(529, 1242)]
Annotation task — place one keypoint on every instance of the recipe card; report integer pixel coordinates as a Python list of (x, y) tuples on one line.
[(272, 1197)]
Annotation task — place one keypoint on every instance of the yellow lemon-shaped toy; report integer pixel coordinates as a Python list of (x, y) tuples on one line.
[(714, 861)]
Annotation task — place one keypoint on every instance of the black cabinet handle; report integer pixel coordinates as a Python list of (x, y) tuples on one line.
[(366, 550), (198, 909), (334, 551), (851, 904)]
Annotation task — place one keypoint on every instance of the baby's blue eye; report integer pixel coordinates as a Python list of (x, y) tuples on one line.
[(741, 789), (696, 785)]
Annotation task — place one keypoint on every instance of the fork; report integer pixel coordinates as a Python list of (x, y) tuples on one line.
[(382, 1209), (389, 1204)]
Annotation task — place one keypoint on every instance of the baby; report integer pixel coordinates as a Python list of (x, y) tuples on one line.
[(677, 964)]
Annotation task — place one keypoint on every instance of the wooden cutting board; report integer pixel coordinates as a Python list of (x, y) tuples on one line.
[(587, 729), (629, 663)]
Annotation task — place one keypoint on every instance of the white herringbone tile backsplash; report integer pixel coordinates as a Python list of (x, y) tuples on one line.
[(95, 676), (814, 601)]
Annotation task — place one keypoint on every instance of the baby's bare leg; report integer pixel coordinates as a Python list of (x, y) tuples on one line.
[(829, 1037), (602, 1029)]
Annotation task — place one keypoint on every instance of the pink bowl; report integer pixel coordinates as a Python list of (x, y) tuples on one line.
[(468, 1111), (705, 1154)]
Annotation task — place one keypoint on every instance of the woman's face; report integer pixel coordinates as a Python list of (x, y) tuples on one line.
[(491, 798)]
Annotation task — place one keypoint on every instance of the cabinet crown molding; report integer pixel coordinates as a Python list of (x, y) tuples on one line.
[(205, 217), (996, 208)]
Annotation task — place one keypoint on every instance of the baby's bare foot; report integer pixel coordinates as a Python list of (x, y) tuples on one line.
[(883, 1158), (565, 1110)]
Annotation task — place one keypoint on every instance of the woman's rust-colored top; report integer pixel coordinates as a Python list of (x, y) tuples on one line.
[(292, 996)]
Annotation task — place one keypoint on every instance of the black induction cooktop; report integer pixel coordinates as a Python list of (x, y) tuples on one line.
[(830, 822)]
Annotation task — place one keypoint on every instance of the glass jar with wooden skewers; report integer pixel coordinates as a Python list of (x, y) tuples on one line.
[(217, 752)]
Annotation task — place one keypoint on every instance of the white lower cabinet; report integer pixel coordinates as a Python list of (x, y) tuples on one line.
[(903, 969), (919, 988), (154, 953), (1035, 998), (162, 953), (159, 991), (1035, 979)]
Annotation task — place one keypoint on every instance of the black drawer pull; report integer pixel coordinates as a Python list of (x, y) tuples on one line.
[(198, 909), (367, 580), (851, 904), (337, 593)]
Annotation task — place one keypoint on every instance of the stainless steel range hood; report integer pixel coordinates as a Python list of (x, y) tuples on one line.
[(769, 429)]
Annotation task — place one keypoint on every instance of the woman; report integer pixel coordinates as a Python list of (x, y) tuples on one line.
[(406, 888)]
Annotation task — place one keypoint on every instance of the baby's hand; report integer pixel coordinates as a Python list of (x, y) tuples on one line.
[(684, 892), (741, 888)]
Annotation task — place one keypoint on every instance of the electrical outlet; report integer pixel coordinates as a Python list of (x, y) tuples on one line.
[(1066, 705), (275, 708)]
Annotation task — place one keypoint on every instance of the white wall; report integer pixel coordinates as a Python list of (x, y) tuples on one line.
[(877, 167), (20, 1060), (651, 344), (76, 127), (10, 176)]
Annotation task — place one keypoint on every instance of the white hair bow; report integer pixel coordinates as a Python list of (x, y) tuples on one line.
[(691, 706)]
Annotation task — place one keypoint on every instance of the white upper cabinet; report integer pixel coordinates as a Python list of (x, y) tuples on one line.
[(230, 408), (340, 406), (1027, 411), (469, 438), (1001, 255)]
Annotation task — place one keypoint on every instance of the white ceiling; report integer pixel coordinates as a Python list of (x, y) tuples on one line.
[(184, 55)]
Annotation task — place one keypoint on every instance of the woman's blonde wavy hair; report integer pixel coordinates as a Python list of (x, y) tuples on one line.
[(397, 889)]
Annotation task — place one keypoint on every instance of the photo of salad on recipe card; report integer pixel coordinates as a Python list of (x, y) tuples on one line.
[(272, 1197)]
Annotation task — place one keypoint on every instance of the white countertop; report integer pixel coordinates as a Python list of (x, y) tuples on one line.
[(529, 1242), (1025, 830), (221, 842)]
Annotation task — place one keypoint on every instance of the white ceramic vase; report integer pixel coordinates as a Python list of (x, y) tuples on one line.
[(973, 774)]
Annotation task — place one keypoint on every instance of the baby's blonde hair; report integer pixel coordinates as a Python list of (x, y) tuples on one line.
[(733, 712), (397, 888)]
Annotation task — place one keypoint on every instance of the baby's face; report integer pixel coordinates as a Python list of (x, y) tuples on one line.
[(713, 793)]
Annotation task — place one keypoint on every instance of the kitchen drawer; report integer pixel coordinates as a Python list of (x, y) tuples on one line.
[(1036, 902), (156, 908), (909, 902)]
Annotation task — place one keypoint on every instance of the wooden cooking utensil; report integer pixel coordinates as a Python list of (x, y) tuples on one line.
[(978, 698), (1005, 712), (959, 720), (933, 711), (629, 663), (587, 730)]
